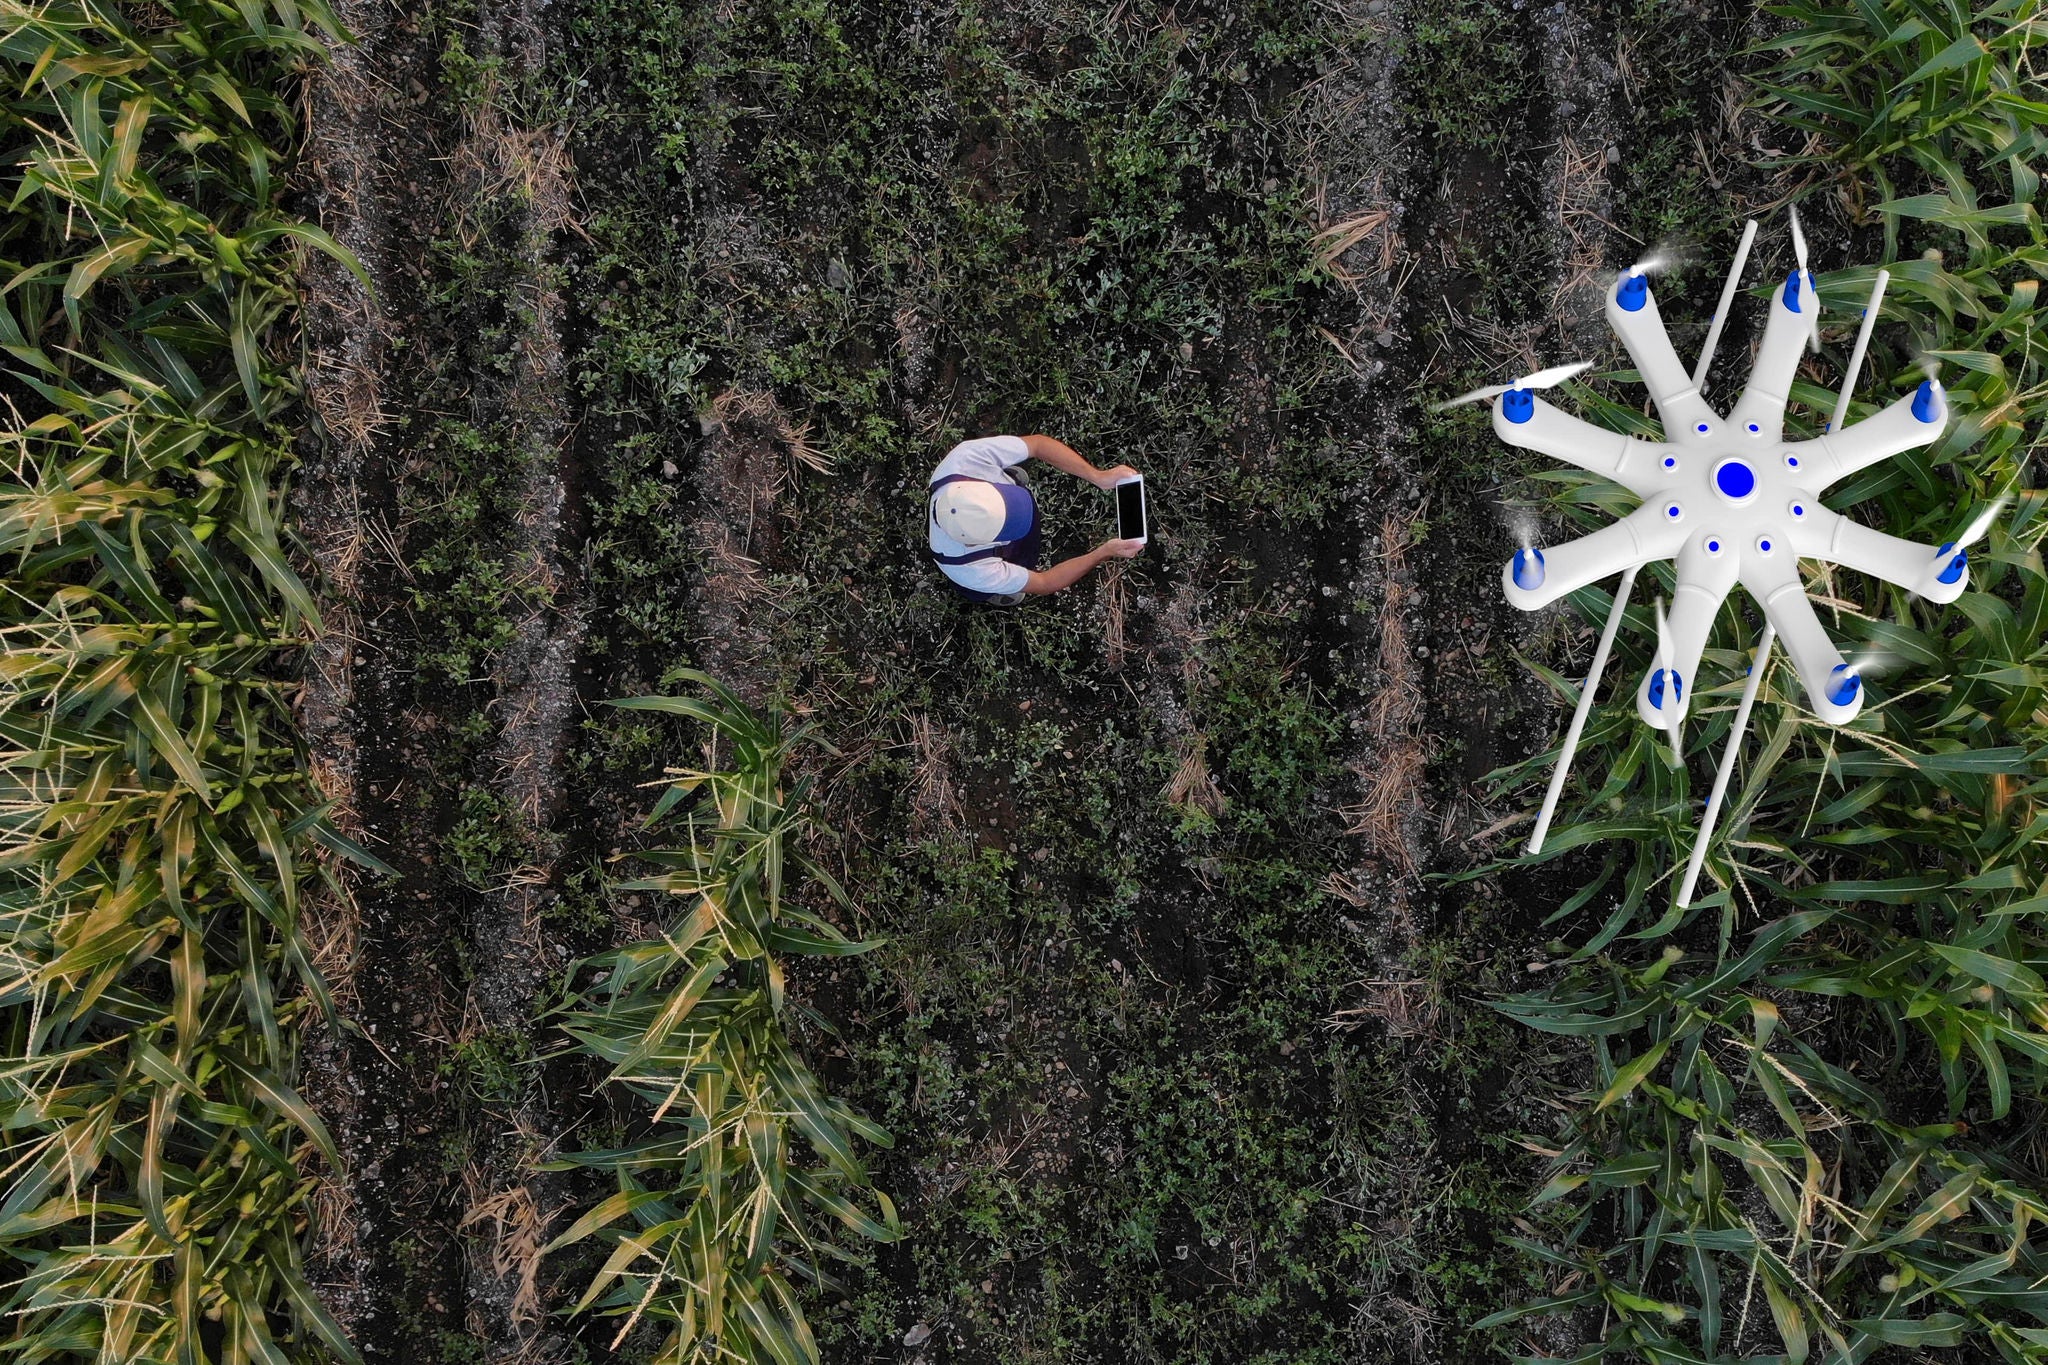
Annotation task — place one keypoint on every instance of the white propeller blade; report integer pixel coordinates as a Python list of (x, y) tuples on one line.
[(1806, 281), (1671, 683), (1542, 379), (1552, 377), (1663, 659), (1980, 524), (1874, 661), (1663, 256)]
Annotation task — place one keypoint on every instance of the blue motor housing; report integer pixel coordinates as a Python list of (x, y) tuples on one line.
[(1843, 685), (1518, 405), (1927, 402), (1528, 570), (1657, 688), (1955, 568), (1634, 291), (1792, 291)]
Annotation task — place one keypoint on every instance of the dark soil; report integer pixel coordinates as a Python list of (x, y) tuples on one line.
[(1182, 1040)]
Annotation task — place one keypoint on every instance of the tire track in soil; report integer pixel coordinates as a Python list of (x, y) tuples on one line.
[(1431, 727), (369, 162), (430, 1237)]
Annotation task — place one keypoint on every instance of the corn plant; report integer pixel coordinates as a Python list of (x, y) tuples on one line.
[(1820, 1143), (727, 1200), (156, 821)]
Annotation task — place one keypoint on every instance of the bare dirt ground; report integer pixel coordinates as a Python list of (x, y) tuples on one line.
[(1184, 1046)]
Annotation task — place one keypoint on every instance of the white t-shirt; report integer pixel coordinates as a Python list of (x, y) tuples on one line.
[(990, 458)]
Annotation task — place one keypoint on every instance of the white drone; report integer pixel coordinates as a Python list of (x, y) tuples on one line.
[(1731, 501)]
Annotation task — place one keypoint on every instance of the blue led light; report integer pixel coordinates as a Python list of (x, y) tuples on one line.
[(1735, 480)]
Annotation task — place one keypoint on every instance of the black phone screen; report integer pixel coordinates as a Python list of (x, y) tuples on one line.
[(1130, 511)]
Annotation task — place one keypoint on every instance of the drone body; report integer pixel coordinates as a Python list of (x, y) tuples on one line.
[(1730, 500)]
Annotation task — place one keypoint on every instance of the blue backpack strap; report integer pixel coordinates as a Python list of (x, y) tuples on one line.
[(971, 557)]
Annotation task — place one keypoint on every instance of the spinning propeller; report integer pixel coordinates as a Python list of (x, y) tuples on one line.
[(1542, 379), (1806, 279)]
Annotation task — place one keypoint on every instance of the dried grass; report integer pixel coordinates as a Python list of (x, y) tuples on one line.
[(1393, 773), (935, 802), (1407, 1008), (1335, 242), (1192, 786), (1113, 597), (517, 1231), (735, 409), (1582, 195), (498, 159)]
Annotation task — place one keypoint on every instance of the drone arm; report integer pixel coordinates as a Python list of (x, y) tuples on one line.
[(1915, 567), (1641, 329), (1777, 358), (1551, 431), (1774, 583), (1703, 583), (1636, 539), (1899, 427)]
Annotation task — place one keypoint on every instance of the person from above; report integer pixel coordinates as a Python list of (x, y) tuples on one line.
[(983, 522)]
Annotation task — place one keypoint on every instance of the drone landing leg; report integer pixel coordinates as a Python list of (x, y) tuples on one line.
[(1870, 309), (1578, 725), (1727, 768), (1706, 360)]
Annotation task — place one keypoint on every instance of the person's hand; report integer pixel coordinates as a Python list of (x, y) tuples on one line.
[(1121, 549), (1108, 478)]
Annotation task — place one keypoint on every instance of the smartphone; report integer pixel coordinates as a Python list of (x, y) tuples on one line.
[(1130, 509)]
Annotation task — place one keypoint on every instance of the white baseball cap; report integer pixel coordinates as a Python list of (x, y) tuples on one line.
[(977, 512)]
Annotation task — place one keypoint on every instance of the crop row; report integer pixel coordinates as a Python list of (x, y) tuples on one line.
[(159, 836)]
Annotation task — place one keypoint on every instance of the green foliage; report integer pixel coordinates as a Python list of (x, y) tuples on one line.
[(1474, 50), (718, 1207), (156, 821), (908, 226), (1823, 1142)]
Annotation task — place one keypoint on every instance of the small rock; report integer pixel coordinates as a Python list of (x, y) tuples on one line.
[(918, 1335), (1382, 339)]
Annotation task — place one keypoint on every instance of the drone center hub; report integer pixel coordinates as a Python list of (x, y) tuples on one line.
[(1734, 480)]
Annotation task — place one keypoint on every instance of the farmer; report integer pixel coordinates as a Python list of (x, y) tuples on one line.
[(984, 522)]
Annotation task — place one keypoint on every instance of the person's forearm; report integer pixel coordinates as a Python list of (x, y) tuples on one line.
[(1064, 458), (1064, 574)]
